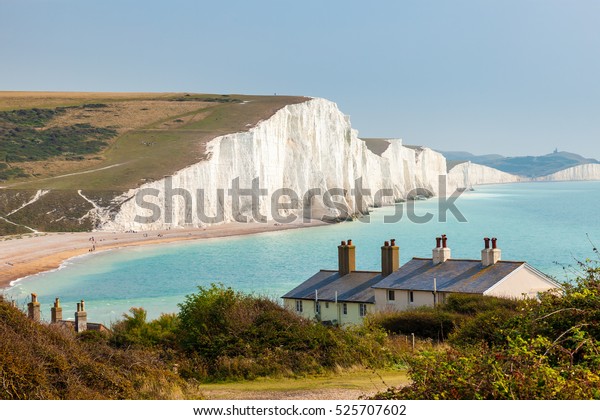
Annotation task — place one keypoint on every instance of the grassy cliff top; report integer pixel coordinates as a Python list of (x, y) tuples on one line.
[(115, 141)]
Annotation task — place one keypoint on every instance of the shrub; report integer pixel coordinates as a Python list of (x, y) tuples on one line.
[(40, 361), (545, 349), (233, 335), (521, 370), (422, 322), (471, 304), (491, 327), (135, 330)]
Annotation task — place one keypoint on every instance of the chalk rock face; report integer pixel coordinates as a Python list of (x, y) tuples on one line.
[(585, 172), (306, 157), (466, 175)]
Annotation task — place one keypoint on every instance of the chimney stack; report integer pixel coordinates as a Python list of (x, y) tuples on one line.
[(390, 258), (441, 252), (80, 317), (490, 256), (33, 308), (56, 312), (346, 258)]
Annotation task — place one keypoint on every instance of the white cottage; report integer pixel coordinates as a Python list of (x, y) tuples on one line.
[(345, 296), (428, 281)]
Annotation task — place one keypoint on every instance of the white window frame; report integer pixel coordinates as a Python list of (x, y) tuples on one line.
[(362, 309), (299, 306), (345, 308), (391, 295)]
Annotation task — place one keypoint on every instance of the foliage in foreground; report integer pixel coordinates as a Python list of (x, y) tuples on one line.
[(222, 334), (464, 318), (550, 349), (51, 362)]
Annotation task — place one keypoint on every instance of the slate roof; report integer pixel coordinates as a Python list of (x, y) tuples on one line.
[(459, 276), (353, 287)]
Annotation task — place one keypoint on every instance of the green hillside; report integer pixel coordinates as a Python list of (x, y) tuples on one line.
[(105, 144)]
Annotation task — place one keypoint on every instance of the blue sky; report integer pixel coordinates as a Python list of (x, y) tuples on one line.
[(509, 76)]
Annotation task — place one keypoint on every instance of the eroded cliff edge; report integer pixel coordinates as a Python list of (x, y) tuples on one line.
[(308, 151)]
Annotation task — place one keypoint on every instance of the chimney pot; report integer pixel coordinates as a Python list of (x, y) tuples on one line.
[(346, 258), (33, 308), (80, 317), (56, 312), (390, 258), (487, 242), (441, 253), (490, 256)]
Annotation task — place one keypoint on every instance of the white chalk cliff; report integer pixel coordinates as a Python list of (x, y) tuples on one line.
[(302, 147), (585, 172), (468, 174)]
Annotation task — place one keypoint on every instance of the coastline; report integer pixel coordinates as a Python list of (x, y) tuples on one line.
[(26, 255)]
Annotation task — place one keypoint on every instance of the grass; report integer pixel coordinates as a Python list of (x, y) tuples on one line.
[(150, 149), (152, 152), (345, 384)]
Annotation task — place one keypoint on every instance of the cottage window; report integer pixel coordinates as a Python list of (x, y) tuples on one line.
[(391, 295), (411, 297), (298, 306), (317, 307), (326, 305), (363, 309), (345, 309)]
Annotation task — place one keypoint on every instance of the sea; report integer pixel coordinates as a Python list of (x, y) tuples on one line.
[(551, 225)]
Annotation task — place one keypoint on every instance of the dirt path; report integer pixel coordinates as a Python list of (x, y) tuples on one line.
[(317, 394), (358, 384)]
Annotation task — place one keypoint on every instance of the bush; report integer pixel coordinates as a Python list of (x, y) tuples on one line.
[(233, 335), (545, 349), (519, 371), (135, 330), (423, 322), (40, 361), (491, 327), (471, 304)]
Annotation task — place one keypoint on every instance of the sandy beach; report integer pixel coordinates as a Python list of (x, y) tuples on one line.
[(29, 254)]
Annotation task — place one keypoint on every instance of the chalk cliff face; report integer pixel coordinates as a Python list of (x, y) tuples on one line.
[(468, 174), (302, 151), (585, 172)]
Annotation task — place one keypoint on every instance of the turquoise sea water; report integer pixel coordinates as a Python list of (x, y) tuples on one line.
[(543, 223)]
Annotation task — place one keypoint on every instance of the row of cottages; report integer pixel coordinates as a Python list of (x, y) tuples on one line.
[(80, 324), (347, 295)]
